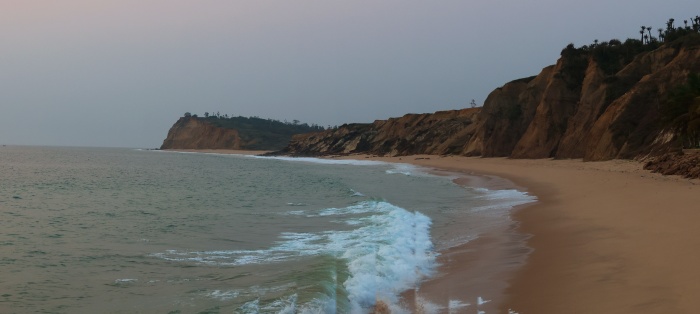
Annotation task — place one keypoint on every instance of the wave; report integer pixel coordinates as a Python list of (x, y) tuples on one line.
[(389, 251), (502, 199), (324, 161)]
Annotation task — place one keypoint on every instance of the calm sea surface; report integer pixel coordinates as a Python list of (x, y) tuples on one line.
[(90, 230)]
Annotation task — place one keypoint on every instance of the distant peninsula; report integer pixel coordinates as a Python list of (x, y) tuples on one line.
[(218, 131), (638, 99)]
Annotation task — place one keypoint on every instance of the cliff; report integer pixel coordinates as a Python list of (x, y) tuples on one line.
[(224, 132), (597, 103), (443, 132), (196, 133)]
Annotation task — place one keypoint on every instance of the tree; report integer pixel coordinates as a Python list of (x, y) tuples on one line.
[(206, 114), (187, 114), (682, 111), (472, 104)]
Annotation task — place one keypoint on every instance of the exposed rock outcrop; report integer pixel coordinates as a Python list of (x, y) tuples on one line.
[(195, 133), (683, 164), (443, 132), (604, 117)]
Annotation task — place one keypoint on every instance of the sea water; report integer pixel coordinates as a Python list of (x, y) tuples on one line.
[(88, 230)]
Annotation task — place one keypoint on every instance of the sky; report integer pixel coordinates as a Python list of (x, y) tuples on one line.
[(119, 73)]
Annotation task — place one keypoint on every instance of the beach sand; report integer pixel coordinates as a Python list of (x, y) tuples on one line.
[(606, 237)]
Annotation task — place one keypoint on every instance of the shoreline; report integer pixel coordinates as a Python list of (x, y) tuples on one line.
[(218, 151), (606, 237)]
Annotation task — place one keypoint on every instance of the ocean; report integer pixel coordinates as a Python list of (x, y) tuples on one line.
[(112, 230)]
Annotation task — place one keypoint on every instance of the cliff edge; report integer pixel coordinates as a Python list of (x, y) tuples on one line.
[(223, 132), (196, 133)]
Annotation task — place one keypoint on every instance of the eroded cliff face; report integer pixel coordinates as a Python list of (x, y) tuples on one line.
[(195, 133), (604, 117), (443, 132), (572, 109)]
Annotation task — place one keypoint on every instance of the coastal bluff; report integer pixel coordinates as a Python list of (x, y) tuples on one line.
[(237, 133), (589, 106), (196, 133)]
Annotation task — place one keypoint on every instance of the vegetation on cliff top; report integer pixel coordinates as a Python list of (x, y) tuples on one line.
[(681, 111), (614, 54), (263, 134)]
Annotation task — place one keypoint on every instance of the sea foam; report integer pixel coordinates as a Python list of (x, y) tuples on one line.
[(325, 161), (389, 251)]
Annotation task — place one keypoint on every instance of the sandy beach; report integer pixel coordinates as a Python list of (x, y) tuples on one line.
[(607, 237)]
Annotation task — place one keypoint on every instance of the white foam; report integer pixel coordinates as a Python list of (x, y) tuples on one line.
[(359, 208), (481, 301), (388, 256), (427, 307), (389, 252), (223, 295), (454, 306), (398, 168), (355, 193), (501, 199), (125, 280), (296, 204), (326, 161), (409, 170)]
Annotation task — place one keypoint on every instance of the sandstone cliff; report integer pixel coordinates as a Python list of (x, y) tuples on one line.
[(443, 132), (224, 132), (577, 108), (195, 133)]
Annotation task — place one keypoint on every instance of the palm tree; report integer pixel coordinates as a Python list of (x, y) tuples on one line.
[(641, 32), (649, 30)]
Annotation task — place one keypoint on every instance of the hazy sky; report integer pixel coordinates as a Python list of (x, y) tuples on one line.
[(120, 72)]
